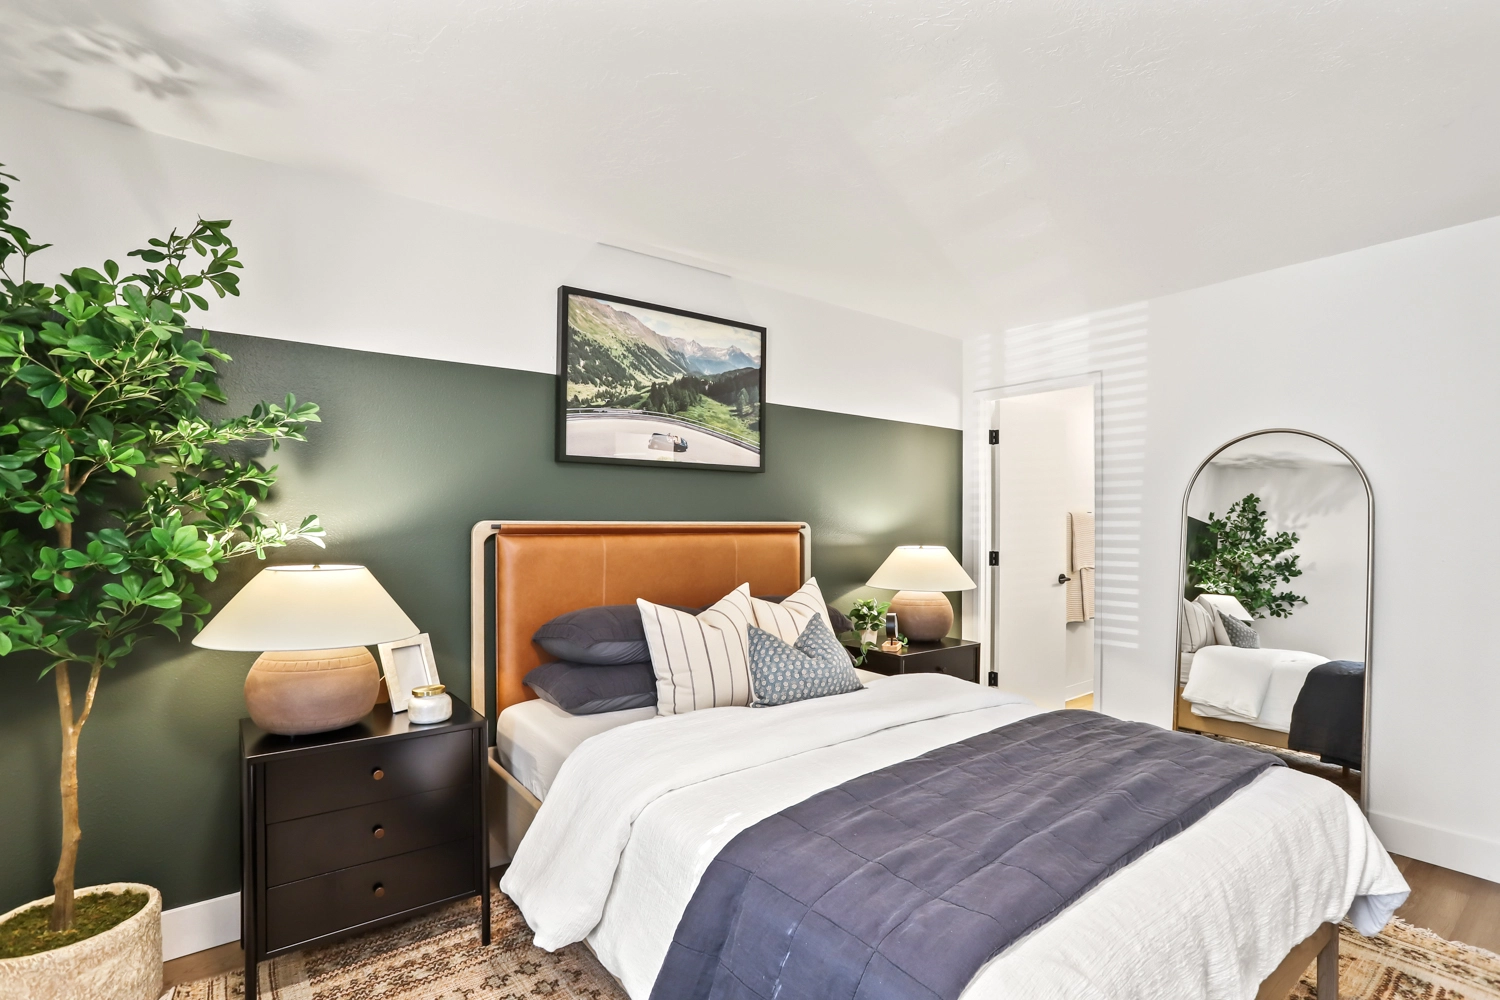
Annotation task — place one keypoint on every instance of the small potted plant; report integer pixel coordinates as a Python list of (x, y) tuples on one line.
[(868, 617)]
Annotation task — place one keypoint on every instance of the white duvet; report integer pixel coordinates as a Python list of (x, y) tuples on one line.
[(637, 814), (1258, 686)]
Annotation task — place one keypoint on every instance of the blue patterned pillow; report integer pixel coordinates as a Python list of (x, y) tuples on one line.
[(813, 667), (1239, 633)]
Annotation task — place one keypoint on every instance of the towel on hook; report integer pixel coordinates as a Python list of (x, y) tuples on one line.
[(1080, 587)]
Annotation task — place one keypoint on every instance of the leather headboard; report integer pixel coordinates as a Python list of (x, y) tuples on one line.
[(543, 569)]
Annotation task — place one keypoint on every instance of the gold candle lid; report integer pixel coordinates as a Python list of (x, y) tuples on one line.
[(428, 690)]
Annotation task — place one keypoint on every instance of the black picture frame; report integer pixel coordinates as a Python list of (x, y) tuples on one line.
[(683, 434)]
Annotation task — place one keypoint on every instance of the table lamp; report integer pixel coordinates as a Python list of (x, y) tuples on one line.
[(921, 574), (311, 625)]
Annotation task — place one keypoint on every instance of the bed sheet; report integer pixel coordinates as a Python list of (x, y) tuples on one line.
[(534, 737)]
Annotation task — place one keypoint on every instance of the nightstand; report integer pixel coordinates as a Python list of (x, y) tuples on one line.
[(345, 831), (958, 657)]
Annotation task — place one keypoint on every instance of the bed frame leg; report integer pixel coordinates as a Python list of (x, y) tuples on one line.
[(1328, 968)]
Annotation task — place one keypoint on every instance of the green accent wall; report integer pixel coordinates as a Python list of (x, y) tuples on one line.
[(409, 455)]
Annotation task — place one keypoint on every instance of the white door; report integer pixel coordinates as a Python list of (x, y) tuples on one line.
[(1044, 468)]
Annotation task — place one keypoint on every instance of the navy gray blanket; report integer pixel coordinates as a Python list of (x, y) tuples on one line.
[(901, 883), (1328, 718)]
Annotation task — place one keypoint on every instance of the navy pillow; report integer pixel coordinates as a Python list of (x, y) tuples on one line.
[(582, 689), (602, 636)]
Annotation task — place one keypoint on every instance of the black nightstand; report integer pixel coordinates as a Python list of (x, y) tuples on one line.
[(348, 830), (958, 657)]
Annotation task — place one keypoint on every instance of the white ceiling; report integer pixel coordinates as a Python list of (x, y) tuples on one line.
[(960, 166)]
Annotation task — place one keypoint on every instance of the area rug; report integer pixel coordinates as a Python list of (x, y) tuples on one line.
[(432, 957), (438, 957), (1404, 962)]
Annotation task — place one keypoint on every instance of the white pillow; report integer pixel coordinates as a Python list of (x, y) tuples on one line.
[(703, 660), (787, 620), (1215, 603), (1197, 628)]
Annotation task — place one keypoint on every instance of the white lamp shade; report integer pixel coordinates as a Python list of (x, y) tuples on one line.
[(307, 607), (1227, 604), (923, 568)]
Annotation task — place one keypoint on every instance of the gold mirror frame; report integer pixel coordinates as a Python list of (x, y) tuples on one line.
[(1364, 783)]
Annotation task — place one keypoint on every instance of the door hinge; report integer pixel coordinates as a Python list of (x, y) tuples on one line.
[(994, 558), (994, 436)]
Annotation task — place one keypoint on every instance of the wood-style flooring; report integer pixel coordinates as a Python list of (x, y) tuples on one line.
[(1457, 906)]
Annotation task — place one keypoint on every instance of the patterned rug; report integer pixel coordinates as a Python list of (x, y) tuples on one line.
[(1404, 962), (438, 957)]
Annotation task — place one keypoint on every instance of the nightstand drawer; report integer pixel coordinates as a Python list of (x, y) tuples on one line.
[(301, 911), (355, 775), (314, 845)]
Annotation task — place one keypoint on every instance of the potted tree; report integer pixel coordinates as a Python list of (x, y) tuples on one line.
[(115, 497)]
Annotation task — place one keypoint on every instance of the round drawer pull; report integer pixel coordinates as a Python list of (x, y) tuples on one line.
[(379, 889), (379, 832), (377, 774)]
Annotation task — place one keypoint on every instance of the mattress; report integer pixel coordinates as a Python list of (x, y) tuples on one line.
[(534, 737)]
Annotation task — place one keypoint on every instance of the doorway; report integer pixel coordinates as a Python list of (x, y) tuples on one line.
[(1045, 476)]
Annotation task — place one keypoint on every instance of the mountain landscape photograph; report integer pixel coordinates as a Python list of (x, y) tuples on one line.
[(651, 384)]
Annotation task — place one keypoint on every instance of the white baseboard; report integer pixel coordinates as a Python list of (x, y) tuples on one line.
[(1463, 852), (1078, 690), (199, 926)]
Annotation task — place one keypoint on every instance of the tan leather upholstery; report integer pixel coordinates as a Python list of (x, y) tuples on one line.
[(544, 570)]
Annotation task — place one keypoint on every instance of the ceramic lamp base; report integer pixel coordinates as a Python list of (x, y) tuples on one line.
[(311, 691), (922, 616)]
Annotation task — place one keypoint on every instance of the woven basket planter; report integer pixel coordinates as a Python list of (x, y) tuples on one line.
[(123, 963)]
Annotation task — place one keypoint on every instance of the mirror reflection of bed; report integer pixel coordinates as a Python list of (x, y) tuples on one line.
[(1273, 626)]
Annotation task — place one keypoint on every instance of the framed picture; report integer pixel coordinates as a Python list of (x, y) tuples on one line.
[(406, 664), (642, 384)]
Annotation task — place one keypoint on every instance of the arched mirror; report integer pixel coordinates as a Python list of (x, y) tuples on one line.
[(1274, 621)]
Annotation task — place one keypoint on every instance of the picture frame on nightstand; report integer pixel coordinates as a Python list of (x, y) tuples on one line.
[(407, 664)]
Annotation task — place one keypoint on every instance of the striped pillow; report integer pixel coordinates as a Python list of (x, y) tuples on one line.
[(1197, 628), (788, 620), (700, 661)]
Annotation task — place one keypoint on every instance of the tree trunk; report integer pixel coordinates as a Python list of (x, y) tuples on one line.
[(62, 881), (67, 862)]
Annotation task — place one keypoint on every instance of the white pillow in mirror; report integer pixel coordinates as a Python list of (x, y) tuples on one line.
[(1227, 604), (1197, 628), (1230, 606)]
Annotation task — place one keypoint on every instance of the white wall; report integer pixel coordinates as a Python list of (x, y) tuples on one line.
[(1325, 505), (1393, 351), (331, 262)]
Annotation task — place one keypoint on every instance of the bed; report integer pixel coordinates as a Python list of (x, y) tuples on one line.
[(1236, 905), (1286, 698)]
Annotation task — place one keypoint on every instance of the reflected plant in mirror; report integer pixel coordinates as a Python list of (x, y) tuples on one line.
[(1247, 561)]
